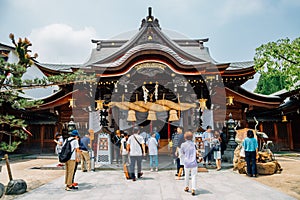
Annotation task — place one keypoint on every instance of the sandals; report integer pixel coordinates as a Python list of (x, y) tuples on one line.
[(186, 189)]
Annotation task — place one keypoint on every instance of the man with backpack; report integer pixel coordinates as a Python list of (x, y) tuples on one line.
[(71, 148)]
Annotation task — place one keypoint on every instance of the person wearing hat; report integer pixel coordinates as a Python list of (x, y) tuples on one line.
[(71, 164)]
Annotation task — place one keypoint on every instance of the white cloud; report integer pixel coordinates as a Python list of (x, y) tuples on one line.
[(60, 43)]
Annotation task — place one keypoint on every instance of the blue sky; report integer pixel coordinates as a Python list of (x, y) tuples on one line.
[(61, 31)]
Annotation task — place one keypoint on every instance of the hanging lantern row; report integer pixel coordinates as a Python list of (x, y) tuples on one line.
[(208, 79), (235, 79)]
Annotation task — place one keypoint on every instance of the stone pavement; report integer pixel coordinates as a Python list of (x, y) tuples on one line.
[(111, 184)]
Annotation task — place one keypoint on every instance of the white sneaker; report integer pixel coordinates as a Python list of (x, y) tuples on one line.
[(156, 169), (151, 170)]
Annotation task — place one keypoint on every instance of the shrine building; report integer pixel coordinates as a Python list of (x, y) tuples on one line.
[(155, 78)]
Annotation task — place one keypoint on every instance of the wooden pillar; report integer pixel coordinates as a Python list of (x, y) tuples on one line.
[(261, 127), (55, 130), (290, 136), (42, 129), (275, 132), (185, 121)]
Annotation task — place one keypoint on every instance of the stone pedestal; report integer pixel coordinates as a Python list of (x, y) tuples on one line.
[(228, 156), (17, 186)]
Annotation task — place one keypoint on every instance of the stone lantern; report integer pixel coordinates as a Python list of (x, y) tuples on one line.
[(231, 145)]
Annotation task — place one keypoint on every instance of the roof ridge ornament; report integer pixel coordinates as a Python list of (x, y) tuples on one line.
[(150, 20), (149, 12)]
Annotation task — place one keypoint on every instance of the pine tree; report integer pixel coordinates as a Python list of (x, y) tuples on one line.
[(11, 85)]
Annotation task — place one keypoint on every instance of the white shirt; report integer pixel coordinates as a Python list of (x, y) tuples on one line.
[(74, 145), (135, 148), (207, 135), (123, 146), (152, 146), (145, 135)]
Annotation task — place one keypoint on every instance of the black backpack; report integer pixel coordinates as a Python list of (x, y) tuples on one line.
[(66, 151)]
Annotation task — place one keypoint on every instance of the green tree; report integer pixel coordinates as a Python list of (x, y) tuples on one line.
[(11, 85), (279, 65), (269, 85)]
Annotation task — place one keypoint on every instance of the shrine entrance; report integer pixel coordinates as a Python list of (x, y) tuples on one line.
[(152, 94)]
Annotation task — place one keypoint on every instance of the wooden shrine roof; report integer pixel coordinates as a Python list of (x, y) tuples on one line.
[(253, 99), (57, 99), (151, 42)]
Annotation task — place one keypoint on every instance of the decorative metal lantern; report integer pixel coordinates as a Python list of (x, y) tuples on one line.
[(229, 100), (202, 103), (99, 104), (284, 119), (72, 103)]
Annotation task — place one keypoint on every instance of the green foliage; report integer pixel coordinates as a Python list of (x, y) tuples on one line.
[(78, 76), (11, 85), (269, 85), (9, 147), (278, 60)]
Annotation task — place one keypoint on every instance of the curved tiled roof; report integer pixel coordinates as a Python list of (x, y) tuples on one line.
[(240, 65), (149, 46), (114, 52), (108, 50), (59, 67)]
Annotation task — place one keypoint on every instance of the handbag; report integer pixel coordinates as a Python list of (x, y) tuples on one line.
[(242, 152)]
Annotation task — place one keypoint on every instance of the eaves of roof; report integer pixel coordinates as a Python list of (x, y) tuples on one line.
[(6, 47), (284, 93), (253, 99), (57, 68), (55, 102), (147, 47)]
